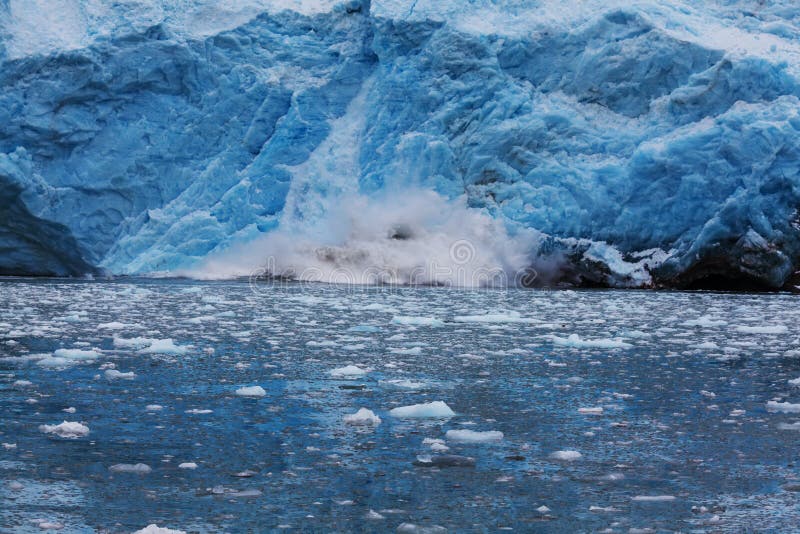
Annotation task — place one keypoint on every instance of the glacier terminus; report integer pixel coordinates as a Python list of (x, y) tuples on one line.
[(623, 144)]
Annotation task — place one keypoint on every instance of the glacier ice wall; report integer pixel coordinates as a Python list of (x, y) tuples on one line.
[(616, 143)]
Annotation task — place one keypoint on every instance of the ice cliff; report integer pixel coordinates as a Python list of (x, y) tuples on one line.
[(599, 142)]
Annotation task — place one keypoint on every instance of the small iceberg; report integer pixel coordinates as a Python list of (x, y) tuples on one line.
[(566, 456), (417, 321), (349, 371), (139, 469), (431, 410), (363, 417), (251, 391), (68, 430), (575, 341)]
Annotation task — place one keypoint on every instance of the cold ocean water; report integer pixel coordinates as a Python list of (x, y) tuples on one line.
[(222, 406)]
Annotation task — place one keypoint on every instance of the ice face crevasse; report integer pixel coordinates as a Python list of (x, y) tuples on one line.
[(613, 143)]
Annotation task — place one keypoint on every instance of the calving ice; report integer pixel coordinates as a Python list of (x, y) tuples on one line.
[(607, 143)]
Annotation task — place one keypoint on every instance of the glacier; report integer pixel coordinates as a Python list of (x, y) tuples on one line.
[(611, 143)]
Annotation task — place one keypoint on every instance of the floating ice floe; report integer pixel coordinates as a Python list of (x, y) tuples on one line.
[(767, 329), (114, 325), (417, 321), (155, 529), (67, 429), (436, 445), (507, 317), (402, 384), (133, 343), (187, 465), (575, 341), (153, 407), (113, 374), (164, 346), (251, 391), (432, 410), (705, 321), (785, 407), (566, 456), (363, 417), (594, 410), (653, 498), (139, 469), (794, 382), (472, 436), (22, 383), (77, 354), (349, 371)]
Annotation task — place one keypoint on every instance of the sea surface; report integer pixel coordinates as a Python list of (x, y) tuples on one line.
[(619, 410)]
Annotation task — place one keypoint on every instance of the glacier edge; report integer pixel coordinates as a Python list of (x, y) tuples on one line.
[(629, 145)]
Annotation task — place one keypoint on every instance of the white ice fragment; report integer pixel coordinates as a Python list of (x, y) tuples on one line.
[(251, 391), (133, 343), (417, 321), (543, 509), (155, 529), (187, 465), (9, 446), (114, 325), (594, 410), (76, 354), (402, 384), (566, 456), (575, 341), (69, 430), (139, 469), (363, 417), (22, 383), (153, 407), (349, 371), (199, 411), (164, 346), (113, 374), (766, 329), (794, 382), (435, 409), (653, 498), (785, 407), (472, 436), (372, 515)]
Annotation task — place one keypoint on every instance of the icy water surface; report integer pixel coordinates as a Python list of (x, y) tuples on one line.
[(618, 410)]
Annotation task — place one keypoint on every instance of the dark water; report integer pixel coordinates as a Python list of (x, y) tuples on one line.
[(684, 440)]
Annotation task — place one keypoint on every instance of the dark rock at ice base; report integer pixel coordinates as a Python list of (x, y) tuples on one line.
[(618, 146)]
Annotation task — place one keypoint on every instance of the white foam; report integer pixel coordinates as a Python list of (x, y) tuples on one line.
[(433, 410)]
